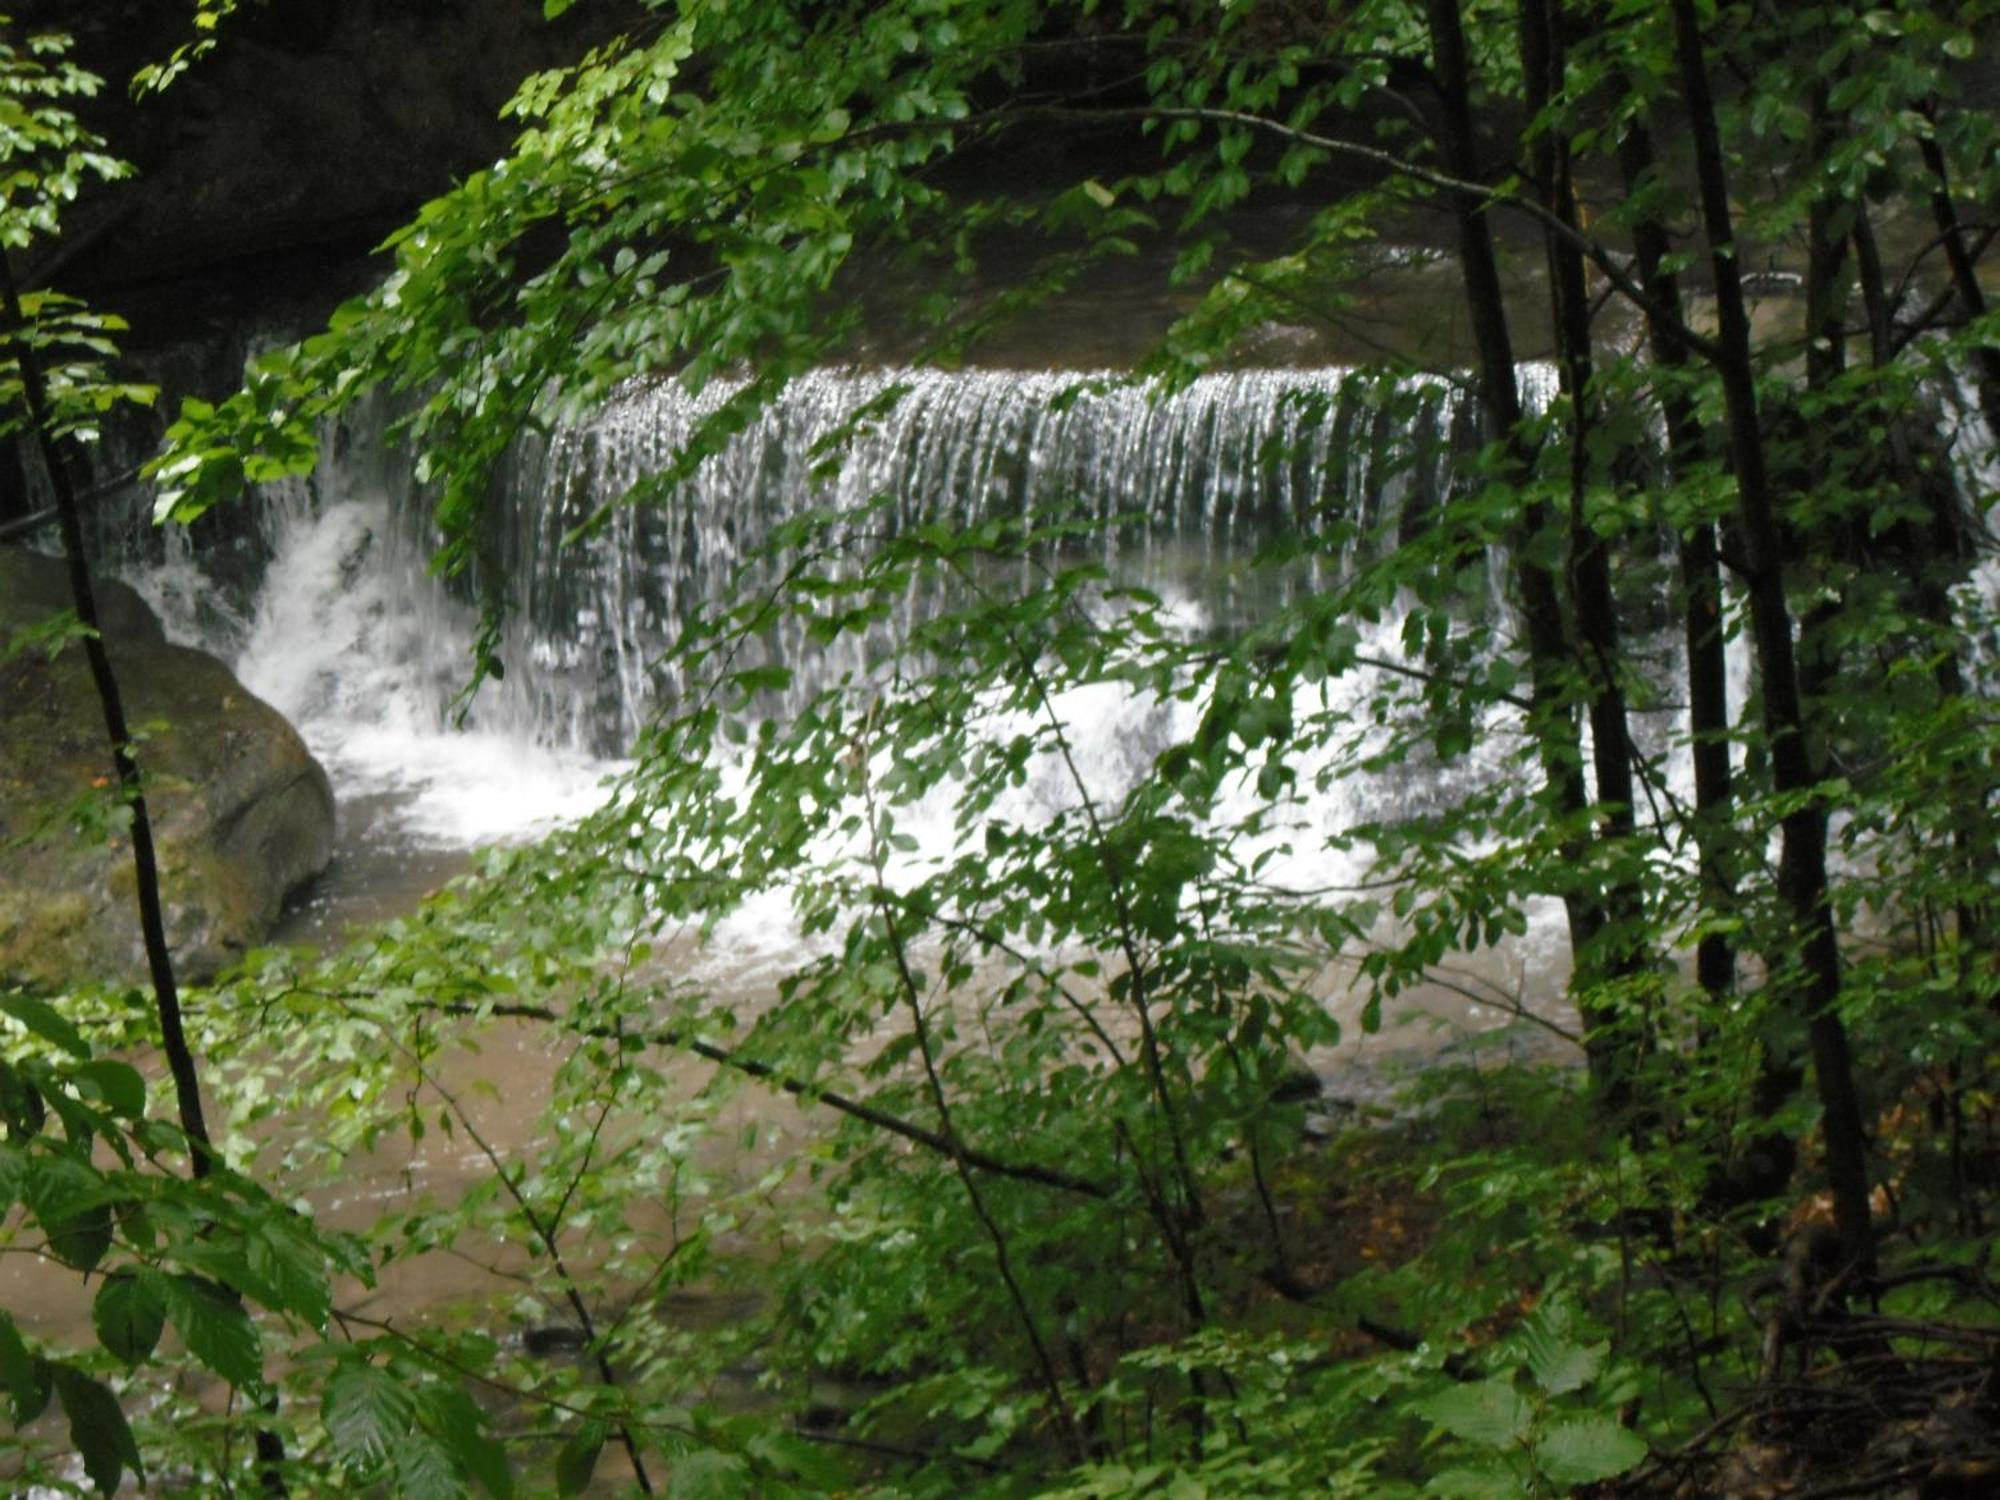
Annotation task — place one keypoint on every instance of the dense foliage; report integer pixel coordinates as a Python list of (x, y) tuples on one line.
[(1059, 1233)]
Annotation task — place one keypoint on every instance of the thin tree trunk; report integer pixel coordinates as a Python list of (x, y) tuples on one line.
[(152, 920), (83, 595), (1766, 1162), (1802, 877), (1826, 262), (1551, 720), (1942, 546), (1972, 836), (1829, 459), (1701, 588), (1964, 275), (1621, 955)]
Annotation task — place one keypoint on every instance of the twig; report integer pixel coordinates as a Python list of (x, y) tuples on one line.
[(893, 1450), (483, 1376), (1003, 1260), (810, 1093), (1034, 966), (1135, 969), (1398, 166), (546, 1232)]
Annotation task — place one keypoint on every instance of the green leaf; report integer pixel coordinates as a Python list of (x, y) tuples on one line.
[(98, 1428), (578, 1459), (1586, 1449), (1478, 1484), (46, 1022), (25, 1377), (20, 1104), (1488, 1412), (212, 1323), (47, 637), (424, 1471), (291, 1268), (79, 1240), (128, 1317), (461, 1427), (1263, 719), (709, 1475), (118, 1084), (367, 1412), (1559, 1362)]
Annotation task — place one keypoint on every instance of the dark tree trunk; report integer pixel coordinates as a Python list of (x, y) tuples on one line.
[(14, 506), (1552, 719), (1802, 879), (1766, 1162), (40, 431), (1964, 274), (1622, 954), (1938, 550), (1700, 563), (152, 921)]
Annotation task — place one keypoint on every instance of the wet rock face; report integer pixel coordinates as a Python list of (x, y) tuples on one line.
[(242, 813), (311, 121)]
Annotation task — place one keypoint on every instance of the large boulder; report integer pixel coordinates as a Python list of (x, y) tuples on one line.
[(242, 814), (33, 587)]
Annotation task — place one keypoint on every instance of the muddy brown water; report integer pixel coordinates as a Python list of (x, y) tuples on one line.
[(500, 1085), (502, 1082)]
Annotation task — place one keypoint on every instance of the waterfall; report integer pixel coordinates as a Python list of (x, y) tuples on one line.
[(341, 622), (320, 593), (319, 589), (1203, 476)]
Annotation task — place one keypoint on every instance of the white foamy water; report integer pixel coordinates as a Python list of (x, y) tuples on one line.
[(363, 652), (349, 636), (1097, 741)]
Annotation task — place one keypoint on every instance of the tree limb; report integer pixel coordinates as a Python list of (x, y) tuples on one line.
[(809, 1093)]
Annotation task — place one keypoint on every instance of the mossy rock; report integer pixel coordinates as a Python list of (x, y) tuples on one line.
[(242, 814)]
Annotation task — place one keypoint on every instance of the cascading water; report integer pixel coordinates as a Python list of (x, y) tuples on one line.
[(346, 632), (344, 629), (1210, 473)]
